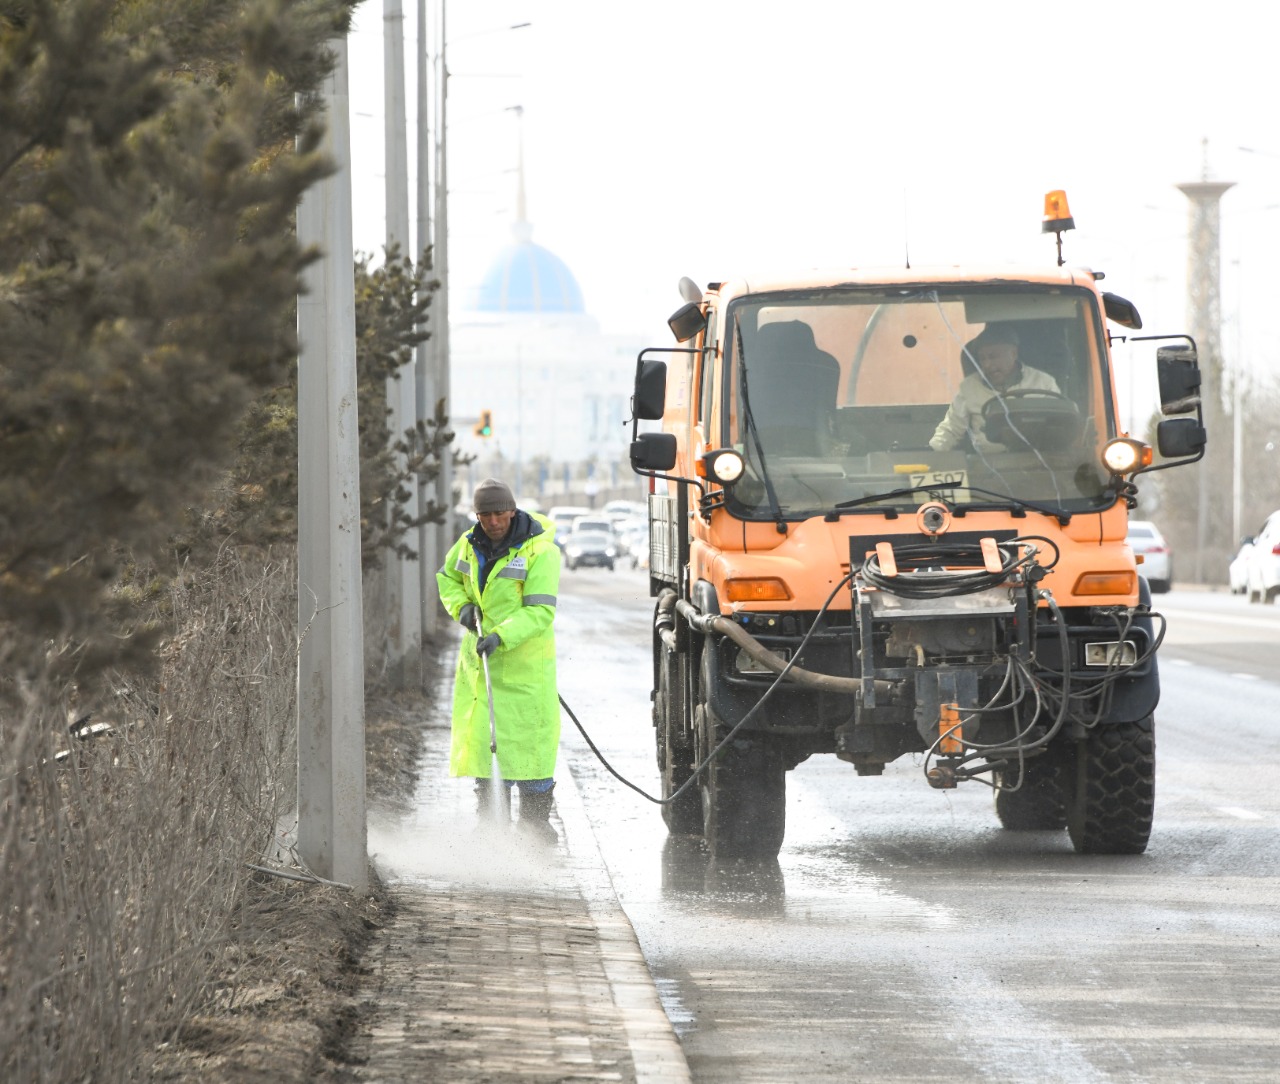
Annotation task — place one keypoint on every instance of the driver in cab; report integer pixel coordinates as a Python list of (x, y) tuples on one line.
[(997, 373)]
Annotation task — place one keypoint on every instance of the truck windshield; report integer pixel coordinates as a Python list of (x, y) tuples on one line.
[(973, 393)]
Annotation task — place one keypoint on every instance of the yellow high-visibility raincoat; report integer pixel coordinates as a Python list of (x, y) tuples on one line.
[(519, 604)]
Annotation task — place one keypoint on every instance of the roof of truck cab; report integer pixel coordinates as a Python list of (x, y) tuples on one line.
[(774, 281)]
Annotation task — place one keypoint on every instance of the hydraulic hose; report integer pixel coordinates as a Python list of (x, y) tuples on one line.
[(771, 661)]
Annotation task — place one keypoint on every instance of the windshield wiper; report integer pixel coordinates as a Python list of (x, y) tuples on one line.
[(749, 423), (906, 491), (1062, 515)]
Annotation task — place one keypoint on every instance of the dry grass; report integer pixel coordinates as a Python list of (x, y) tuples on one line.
[(125, 899)]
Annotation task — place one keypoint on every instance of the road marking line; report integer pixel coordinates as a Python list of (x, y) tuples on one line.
[(1219, 619), (1236, 811)]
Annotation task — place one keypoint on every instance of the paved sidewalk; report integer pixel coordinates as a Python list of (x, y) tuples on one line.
[(508, 960)]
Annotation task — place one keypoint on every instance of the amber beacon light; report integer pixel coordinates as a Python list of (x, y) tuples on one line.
[(1057, 217)]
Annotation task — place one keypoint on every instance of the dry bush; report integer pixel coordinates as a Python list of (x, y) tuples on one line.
[(124, 858)]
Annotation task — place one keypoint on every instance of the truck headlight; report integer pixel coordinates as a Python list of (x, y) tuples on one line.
[(1124, 455), (724, 465)]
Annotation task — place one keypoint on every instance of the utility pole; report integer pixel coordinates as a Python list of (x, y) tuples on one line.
[(332, 833), (1205, 314), (427, 394), (441, 250), (401, 576)]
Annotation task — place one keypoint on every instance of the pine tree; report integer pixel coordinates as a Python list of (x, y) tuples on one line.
[(148, 273), (260, 501)]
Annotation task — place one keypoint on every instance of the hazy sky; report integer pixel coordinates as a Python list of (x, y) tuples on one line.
[(710, 138)]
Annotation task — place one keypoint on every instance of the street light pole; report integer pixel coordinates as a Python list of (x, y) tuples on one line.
[(401, 608), (445, 480), (424, 367)]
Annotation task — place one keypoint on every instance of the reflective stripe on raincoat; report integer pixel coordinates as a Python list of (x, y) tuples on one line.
[(518, 603)]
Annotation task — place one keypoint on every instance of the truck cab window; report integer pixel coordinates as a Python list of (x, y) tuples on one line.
[(844, 395)]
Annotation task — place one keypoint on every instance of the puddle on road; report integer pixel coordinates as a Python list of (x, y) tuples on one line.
[(807, 887)]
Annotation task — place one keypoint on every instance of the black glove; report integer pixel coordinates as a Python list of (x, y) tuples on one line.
[(469, 616), (488, 645)]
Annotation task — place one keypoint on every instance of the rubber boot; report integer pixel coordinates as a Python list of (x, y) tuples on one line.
[(489, 812), (535, 815)]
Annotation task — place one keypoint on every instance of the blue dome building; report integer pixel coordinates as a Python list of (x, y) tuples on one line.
[(525, 278)]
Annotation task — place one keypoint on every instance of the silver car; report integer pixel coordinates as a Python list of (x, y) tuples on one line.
[(1155, 561)]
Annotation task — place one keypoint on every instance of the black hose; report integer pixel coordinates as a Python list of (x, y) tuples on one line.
[(941, 582), (699, 769)]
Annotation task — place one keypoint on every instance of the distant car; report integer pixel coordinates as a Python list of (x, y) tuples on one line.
[(589, 548), (603, 524), (624, 509), (1238, 570), (1263, 562), (633, 543), (563, 515), (1156, 561)]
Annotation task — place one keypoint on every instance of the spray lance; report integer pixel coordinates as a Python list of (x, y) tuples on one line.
[(488, 688)]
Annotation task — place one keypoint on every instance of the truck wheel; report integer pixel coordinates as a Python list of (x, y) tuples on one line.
[(675, 751), (1040, 804), (1113, 803), (744, 793)]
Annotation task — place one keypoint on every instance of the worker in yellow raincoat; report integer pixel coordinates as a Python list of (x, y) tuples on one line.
[(503, 577)]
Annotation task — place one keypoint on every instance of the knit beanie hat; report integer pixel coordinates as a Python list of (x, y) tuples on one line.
[(493, 496)]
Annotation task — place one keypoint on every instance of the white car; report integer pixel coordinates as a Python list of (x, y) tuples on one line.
[(1262, 581), (1238, 570), (1155, 561)]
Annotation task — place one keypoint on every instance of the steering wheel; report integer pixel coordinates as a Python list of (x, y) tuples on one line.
[(1054, 424)]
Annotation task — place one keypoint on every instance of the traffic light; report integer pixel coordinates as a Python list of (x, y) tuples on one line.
[(484, 427)]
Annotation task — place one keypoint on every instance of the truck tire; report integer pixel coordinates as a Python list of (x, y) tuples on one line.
[(1115, 787), (675, 750), (744, 793), (1040, 804)]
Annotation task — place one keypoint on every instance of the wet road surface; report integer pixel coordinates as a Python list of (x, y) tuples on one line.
[(903, 935)]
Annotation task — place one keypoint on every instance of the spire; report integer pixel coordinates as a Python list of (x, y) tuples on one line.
[(522, 230)]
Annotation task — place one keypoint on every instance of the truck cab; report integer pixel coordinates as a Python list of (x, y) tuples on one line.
[(888, 517)]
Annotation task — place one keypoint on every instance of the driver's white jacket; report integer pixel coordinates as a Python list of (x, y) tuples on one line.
[(965, 413)]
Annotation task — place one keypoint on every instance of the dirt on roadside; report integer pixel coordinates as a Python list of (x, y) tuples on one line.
[(283, 1008)]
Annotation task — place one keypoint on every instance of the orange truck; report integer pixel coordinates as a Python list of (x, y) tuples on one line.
[(888, 518)]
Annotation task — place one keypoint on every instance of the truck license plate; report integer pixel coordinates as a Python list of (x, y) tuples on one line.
[(949, 480)]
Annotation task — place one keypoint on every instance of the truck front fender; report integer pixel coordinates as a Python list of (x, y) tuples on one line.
[(1135, 698)]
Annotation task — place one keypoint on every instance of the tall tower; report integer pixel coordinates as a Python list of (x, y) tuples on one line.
[(1204, 312)]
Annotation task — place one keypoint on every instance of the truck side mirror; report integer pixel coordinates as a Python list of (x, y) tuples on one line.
[(1178, 371), (653, 452), (1180, 437), (650, 398), (687, 321), (1121, 311)]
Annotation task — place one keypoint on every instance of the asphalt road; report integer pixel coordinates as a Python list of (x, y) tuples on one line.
[(904, 936)]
